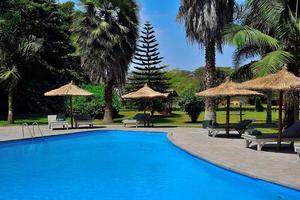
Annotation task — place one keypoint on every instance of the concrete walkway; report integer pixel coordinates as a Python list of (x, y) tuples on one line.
[(281, 168)]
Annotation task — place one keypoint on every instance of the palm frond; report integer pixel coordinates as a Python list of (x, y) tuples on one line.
[(266, 12), (271, 62), (205, 20), (9, 77), (240, 36), (243, 73), (244, 53)]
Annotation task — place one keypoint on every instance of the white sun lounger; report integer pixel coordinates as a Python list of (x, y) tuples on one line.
[(239, 128), (261, 140), (291, 134), (52, 122)]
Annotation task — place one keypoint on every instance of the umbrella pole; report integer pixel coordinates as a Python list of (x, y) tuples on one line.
[(280, 119), (71, 107), (241, 111), (227, 116), (145, 113)]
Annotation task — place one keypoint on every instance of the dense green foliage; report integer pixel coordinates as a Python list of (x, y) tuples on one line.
[(95, 104), (44, 27), (191, 104), (107, 32)]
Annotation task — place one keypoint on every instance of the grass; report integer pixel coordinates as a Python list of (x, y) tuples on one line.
[(178, 118)]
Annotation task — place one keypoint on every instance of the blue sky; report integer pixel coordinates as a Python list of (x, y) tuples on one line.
[(177, 52)]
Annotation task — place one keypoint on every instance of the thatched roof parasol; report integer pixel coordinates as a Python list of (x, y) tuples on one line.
[(227, 89), (69, 90), (281, 81), (144, 93)]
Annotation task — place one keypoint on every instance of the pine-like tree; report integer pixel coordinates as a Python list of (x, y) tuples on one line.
[(147, 63)]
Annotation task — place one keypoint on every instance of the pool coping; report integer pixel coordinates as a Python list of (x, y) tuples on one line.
[(191, 151)]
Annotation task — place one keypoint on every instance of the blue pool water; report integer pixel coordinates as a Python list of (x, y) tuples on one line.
[(119, 165)]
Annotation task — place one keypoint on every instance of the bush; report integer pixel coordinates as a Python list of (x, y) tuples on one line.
[(95, 104), (258, 105), (191, 104)]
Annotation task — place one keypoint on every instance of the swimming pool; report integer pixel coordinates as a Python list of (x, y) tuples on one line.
[(120, 165)]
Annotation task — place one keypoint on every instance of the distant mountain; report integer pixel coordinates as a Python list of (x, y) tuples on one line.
[(183, 80)]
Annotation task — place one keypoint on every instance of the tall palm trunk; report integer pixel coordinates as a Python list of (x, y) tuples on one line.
[(108, 111), (10, 117), (210, 77)]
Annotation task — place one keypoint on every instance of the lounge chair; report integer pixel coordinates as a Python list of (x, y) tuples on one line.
[(291, 134), (239, 128), (144, 119), (83, 120), (57, 120)]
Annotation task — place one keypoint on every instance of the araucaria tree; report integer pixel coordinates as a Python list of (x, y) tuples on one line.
[(147, 63), (148, 69), (107, 32), (205, 21)]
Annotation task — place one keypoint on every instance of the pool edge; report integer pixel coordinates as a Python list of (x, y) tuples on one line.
[(185, 148)]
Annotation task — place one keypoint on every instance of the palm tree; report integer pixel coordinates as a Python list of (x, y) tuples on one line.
[(9, 77), (271, 30), (107, 32), (205, 21)]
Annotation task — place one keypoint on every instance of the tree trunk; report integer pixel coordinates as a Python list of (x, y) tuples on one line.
[(210, 78), (108, 110), (10, 116), (289, 115), (291, 101), (269, 107)]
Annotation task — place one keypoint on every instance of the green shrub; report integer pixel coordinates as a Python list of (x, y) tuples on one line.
[(95, 104), (191, 104)]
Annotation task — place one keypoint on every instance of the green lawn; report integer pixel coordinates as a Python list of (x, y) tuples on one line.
[(178, 118)]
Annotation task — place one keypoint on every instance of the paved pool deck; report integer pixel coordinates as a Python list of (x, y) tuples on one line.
[(268, 164)]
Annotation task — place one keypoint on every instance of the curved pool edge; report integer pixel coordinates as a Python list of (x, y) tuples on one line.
[(193, 152)]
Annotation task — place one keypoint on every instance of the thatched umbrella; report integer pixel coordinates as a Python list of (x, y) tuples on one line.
[(228, 89), (69, 90), (278, 82), (145, 93)]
